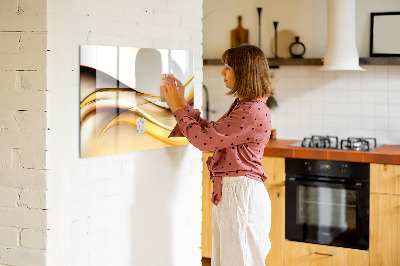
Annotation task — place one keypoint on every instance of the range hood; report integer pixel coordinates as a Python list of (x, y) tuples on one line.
[(341, 51)]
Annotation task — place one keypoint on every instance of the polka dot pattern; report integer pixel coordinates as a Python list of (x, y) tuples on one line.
[(238, 139)]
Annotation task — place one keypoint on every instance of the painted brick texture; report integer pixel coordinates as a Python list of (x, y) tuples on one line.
[(23, 126)]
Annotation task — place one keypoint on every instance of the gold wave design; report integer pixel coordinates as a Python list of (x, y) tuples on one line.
[(105, 109), (129, 118)]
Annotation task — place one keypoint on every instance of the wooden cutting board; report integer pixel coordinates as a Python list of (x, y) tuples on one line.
[(239, 35)]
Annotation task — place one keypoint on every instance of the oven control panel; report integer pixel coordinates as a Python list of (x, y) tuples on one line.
[(338, 169)]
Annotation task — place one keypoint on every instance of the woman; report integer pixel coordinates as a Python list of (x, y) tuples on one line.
[(242, 208)]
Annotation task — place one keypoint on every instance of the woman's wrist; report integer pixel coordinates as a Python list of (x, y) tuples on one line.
[(183, 104)]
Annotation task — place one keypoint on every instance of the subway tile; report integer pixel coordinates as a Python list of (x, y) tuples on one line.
[(368, 122), (342, 133), (380, 97), (380, 71), (367, 110), (342, 122), (355, 96), (394, 123), (317, 107), (317, 95), (382, 136), (329, 109), (381, 84), (394, 70), (342, 109), (328, 74), (367, 83), (316, 72), (394, 97), (394, 110), (329, 122), (367, 133), (367, 96), (305, 95), (291, 71), (355, 109), (329, 94), (381, 110), (394, 137), (303, 82), (394, 83), (381, 123), (292, 82), (342, 80), (304, 72), (317, 131), (342, 96), (354, 75), (355, 122), (304, 108), (317, 120), (354, 83), (316, 82), (280, 72), (355, 132)]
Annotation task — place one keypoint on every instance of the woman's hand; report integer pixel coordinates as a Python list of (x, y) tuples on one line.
[(173, 94), (181, 92)]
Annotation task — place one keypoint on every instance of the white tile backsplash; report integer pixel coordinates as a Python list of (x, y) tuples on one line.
[(343, 103)]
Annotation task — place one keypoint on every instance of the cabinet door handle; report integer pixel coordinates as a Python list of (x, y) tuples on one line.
[(324, 254)]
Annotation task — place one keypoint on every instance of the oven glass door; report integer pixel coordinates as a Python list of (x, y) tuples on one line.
[(326, 213)]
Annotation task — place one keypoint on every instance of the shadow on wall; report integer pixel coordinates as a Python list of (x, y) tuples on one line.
[(155, 195)]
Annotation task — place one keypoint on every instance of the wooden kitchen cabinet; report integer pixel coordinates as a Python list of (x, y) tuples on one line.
[(274, 168), (277, 233), (305, 254), (385, 215), (384, 236), (206, 225), (385, 178)]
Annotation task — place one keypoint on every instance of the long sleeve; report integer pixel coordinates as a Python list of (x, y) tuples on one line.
[(193, 113), (229, 131)]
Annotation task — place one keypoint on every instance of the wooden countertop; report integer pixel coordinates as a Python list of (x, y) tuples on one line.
[(389, 154)]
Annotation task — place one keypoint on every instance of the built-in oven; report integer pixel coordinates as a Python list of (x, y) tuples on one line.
[(327, 202)]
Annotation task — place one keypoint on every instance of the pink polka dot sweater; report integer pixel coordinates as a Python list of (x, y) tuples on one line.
[(238, 139)]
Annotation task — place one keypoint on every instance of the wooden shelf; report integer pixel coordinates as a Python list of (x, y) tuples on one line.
[(380, 61), (274, 63)]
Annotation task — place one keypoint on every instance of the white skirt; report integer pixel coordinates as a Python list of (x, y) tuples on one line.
[(241, 223)]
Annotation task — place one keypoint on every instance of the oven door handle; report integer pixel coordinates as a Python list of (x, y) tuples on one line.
[(357, 185)]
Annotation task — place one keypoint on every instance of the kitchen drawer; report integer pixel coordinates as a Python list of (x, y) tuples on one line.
[(305, 254), (385, 178)]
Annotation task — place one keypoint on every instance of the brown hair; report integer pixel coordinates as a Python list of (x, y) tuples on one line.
[(250, 66)]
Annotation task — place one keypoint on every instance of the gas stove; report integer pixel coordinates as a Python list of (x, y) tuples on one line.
[(332, 142)]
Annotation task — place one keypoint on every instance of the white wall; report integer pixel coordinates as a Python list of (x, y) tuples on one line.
[(23, 133), (305, 18), (311, 102), (139, 208)]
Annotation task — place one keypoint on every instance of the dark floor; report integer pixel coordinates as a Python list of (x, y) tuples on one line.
[(206, 261)]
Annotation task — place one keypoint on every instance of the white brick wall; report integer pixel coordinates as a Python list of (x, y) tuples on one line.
[(23, 128), (139, 208)]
